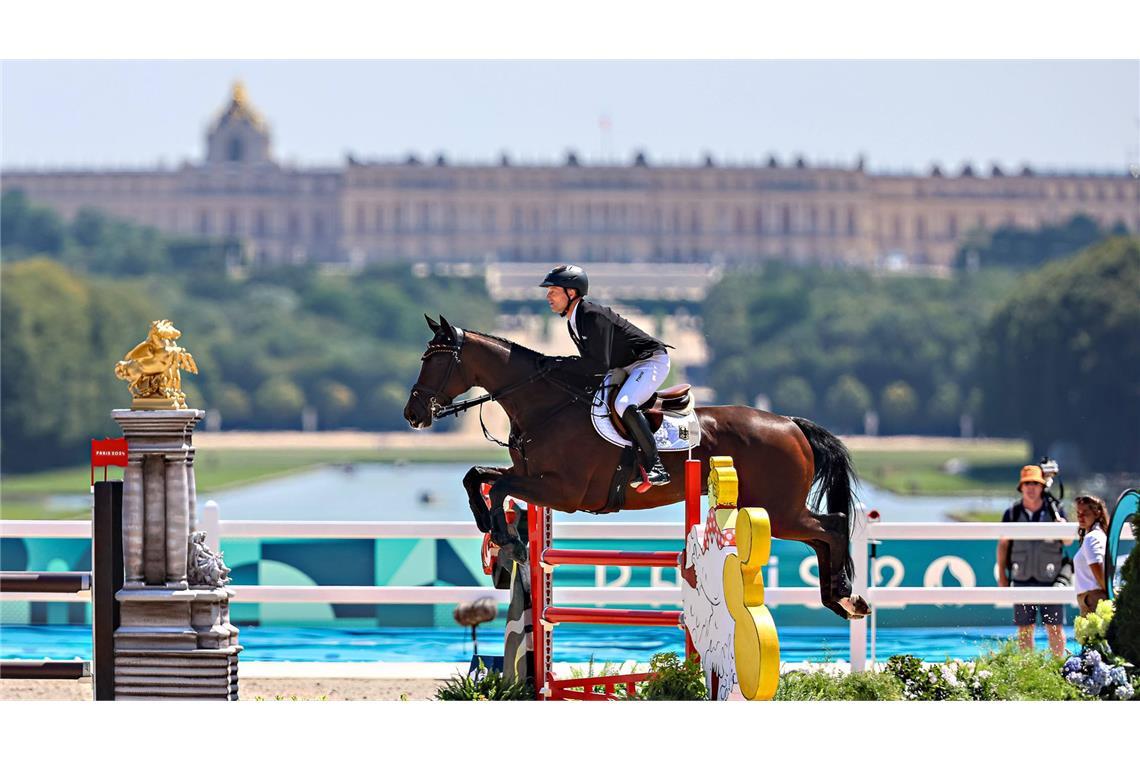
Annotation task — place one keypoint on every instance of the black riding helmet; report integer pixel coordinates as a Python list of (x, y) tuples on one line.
[(568, 276)]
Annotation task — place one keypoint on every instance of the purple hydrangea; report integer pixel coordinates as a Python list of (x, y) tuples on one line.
[(1072, 665), (1124, 693), (1117, 676), (1098, 676), (1091, 658)]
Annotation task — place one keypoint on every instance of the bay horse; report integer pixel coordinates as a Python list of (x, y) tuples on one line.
[(559, 461)]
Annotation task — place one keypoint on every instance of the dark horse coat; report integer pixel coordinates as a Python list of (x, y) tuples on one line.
[(560, 462)]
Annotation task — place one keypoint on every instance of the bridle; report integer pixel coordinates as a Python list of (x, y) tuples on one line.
[(434, 407), (517, 439)]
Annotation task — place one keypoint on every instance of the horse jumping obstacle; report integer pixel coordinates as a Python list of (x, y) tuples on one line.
[(543, 559), (103, 582)]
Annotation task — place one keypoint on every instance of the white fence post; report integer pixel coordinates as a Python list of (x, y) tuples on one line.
[(859, 553), (212, 524)]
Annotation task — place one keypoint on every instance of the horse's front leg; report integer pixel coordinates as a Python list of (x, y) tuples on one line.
[(472, 482), (532, 490)]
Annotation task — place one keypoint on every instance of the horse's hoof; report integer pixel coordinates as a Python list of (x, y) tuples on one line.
[(856, 606)]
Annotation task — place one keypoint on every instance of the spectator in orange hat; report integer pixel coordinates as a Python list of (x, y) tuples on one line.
[(1033, 563)]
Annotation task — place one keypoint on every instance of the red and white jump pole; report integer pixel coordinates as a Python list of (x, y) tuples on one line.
[(543, 560)]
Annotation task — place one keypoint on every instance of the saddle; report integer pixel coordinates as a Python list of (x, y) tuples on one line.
[(676, 400)]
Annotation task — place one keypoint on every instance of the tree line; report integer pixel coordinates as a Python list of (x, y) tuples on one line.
[(1048, 353), (269, 343)]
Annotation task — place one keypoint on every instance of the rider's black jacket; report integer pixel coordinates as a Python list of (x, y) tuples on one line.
[(607, 341)]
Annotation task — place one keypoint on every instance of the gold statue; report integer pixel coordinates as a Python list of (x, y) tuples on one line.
[(152, 368)]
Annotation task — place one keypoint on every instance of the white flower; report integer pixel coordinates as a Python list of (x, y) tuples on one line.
[(984, 674)]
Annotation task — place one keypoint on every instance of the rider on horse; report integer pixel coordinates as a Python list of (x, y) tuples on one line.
[(607, 341)]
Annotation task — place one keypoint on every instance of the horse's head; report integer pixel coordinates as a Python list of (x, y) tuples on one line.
[(441, 374), (162, 330)]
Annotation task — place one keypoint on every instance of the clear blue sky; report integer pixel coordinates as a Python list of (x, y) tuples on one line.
[(902, 115)]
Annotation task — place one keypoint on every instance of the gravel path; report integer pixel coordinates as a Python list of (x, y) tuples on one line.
[(252, 689)]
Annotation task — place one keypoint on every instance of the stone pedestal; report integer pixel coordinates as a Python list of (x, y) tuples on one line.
[(174, 640)]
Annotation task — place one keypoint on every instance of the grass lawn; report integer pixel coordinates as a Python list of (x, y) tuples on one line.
[(24, 497), (987, 469)]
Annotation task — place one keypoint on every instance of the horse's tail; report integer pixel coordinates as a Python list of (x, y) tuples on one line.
[(833, 471)]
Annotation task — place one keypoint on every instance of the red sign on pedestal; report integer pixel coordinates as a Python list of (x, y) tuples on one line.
[(107, 452)]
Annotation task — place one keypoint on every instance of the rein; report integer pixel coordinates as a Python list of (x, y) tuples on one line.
[(515, 441), (440, 412)]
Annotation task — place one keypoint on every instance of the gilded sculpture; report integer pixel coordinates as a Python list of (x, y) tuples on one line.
[(153, 369)]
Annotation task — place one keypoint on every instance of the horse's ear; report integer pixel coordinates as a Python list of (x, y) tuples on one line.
[(447, 328), (432, 323)]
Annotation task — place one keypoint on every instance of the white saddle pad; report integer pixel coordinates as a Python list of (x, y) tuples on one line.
[(675, 434)]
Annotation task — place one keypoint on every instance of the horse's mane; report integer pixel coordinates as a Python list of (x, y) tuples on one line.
[(526, 352)]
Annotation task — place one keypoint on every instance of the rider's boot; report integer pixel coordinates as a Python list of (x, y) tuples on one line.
[(638, 428)]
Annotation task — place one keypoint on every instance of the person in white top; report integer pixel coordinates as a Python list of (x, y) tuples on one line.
[(1088, 564)]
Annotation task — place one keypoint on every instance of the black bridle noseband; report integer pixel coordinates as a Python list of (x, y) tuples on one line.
[(434, 406)]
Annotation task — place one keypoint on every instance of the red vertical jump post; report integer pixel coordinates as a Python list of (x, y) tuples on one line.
[(543, 560)]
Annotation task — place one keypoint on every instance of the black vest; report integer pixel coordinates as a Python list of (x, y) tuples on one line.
[(1034, 560)]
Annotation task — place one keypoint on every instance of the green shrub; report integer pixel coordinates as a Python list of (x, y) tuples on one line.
[(941, 682), (1124, 630), (1026, 675), (483, 686), (674, 679), (820, 685)]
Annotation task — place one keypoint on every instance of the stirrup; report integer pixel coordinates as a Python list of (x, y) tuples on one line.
[(656, 476)]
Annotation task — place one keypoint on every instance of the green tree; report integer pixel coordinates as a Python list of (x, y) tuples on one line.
[(945, 408), (846, 403), (1060, 359), (898, 404), (793, 396), (335, 402), (234, 405), (1025, 247), (278, 403)]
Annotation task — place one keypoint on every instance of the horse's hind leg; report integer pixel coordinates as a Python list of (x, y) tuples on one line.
[(836, 528), (826, 577), (827, 534)]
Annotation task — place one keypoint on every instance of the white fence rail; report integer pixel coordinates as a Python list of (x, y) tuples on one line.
[(864, 533)]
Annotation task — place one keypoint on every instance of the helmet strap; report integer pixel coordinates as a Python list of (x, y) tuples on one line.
[(569, 301)]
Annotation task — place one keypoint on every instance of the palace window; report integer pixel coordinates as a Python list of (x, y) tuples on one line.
[(786, 219), (852, 223)]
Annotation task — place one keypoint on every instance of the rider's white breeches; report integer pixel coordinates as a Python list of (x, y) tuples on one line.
[(645, 377)]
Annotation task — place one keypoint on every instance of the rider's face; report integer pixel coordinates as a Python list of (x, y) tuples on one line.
[(556, 297)]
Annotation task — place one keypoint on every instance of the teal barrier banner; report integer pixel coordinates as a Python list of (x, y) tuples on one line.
[(456, 562)]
